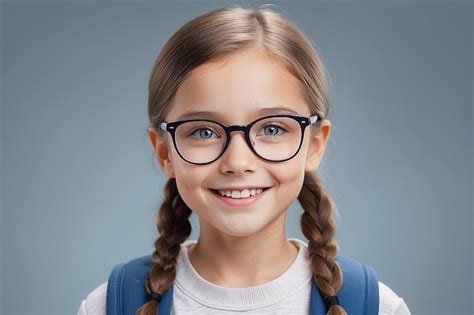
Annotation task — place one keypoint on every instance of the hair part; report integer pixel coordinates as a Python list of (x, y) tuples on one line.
[(217, 34)]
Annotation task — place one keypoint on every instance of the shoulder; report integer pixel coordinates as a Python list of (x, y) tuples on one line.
[(94, 302), (390, 303)]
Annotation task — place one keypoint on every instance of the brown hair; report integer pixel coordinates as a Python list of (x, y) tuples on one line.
[(219, 33)]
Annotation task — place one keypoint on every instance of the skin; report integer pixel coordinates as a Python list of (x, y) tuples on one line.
[(240, 247)]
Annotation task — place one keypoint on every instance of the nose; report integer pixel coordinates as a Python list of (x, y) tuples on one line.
[(238, 157)]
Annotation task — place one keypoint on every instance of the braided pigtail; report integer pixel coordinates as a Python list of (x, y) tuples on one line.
[(319, 228), (174, 227)]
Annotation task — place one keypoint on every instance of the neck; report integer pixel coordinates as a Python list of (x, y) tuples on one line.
[(242, 261)]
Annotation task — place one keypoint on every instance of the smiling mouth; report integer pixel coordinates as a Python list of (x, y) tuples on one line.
[(215, 191)]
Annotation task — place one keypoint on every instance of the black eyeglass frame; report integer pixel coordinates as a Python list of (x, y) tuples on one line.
[(303, 122)]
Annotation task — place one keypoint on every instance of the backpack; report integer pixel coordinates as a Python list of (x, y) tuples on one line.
[(359, 294)]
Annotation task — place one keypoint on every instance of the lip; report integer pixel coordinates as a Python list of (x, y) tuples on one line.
[(241, 202)]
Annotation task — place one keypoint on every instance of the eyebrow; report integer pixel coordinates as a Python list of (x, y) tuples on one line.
[(261, 111)]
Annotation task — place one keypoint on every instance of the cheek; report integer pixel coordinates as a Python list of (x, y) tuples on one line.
[(186, 174), (190, 179), (290, 172)]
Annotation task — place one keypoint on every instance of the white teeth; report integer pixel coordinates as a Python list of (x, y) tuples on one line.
[(240, 194)]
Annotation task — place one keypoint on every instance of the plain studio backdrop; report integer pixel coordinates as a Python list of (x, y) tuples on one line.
[(80, 187)]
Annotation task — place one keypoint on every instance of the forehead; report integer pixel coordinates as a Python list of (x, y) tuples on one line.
[(238, 88)]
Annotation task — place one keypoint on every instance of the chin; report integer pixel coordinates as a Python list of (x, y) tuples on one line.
[(241, 227)]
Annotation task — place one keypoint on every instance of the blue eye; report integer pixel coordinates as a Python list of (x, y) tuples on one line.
[(274, 128), (204, 133)]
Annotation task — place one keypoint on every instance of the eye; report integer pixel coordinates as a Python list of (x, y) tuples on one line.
[(273, 130), (204, 133)]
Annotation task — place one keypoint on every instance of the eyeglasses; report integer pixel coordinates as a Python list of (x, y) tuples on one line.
[(275, 138)]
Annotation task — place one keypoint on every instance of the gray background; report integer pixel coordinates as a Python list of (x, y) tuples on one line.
[(80, 188)]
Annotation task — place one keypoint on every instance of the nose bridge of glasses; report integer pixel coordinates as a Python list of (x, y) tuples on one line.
[(237, 128)]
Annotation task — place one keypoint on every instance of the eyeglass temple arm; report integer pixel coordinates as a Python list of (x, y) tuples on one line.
[(313, 119), (163, 126)]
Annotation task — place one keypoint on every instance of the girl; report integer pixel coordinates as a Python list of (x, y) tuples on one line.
[(238, 107)]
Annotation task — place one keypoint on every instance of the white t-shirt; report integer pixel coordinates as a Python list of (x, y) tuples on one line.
[(288, 294)]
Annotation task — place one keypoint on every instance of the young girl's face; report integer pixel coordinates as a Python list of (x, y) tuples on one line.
[(235, 89)]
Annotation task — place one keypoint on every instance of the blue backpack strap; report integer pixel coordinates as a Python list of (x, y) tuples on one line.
[(359, 294), (126, 291)]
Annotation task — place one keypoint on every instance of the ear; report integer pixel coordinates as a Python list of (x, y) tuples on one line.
[(317, 146), (162, 148)]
